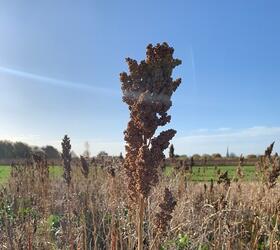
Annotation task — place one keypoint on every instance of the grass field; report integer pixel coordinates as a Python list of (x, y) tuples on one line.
[(4, 173), (199, 174), (209, 172), (55, 171)]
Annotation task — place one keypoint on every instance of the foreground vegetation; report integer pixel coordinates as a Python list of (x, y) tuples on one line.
[(38, 211)]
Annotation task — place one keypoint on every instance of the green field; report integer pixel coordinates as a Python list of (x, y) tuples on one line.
[(201, 174), (55, 171), (4, 173)]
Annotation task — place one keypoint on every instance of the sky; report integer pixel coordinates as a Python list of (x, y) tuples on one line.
[(60, 63)]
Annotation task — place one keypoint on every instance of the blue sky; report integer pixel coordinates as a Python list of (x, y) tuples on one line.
[(60, 63)]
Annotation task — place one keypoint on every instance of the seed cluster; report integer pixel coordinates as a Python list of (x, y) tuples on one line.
[(66, 156), (84, 166), (166, 208), (147, 91)]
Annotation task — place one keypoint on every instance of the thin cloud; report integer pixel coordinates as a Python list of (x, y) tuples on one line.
[(224, 129), (227, 132), (247, 140), (57, 82), (200, 131)]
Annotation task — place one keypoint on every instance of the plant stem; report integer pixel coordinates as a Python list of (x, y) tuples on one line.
[(140, 223)]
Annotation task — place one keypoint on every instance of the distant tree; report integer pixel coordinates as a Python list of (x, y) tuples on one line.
[(196, 157), (17, 150), (39, 153), (171, 151), (232, 155), (6, 150), (21, 150), (51, 152), (216, 155), (205, 159), (36, 148), (251, 156), (102, 154), (206, 156)]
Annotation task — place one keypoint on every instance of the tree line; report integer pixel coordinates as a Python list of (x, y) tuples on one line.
[(19, 150)]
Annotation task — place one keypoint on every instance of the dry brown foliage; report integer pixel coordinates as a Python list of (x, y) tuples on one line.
[(243, 216)]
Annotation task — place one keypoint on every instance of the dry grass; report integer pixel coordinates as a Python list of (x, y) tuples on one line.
[(34, 212)]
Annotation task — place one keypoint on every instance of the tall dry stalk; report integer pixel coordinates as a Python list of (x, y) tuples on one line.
[(269, 166), (84, 166), (171, 151), (88, 216), (147, 91), (163, 217), (66, 156), (239, 172)]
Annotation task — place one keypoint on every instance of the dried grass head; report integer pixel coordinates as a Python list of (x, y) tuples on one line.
[(66, 156), (147, 90), (84, 166)]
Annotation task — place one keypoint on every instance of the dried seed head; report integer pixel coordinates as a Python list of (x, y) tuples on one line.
[(268, 167), (171, 151), (41, 164), (111, 170), (223, 178), (167, 206), (39, 158), (269, 150), (211, 186), (66, 156), (274, 173), (191, 162), (241, 160), (147, 91), (205, 187), (239, 171), (84, 166)]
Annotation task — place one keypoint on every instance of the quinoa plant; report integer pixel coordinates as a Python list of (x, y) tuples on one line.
[(147, 90)]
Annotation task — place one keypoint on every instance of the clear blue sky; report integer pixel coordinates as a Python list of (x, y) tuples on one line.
[(60, 63)]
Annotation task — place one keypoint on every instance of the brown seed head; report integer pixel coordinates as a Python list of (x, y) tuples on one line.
[(147, 91), (166, 208), (66, 156), (84, 166), (269, 150)]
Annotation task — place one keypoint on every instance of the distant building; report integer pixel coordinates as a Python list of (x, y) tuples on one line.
[(227, 155)]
